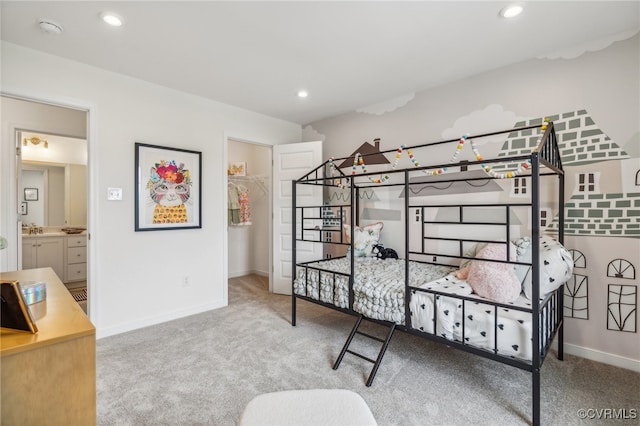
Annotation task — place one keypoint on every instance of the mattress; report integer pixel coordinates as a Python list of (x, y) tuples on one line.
[(378, 284), (478, 318)]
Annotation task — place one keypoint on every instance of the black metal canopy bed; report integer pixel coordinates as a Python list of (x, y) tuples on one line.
[(477, 272)]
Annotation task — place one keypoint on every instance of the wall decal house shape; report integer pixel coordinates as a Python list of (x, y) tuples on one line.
[(371, 155), (581, 142)]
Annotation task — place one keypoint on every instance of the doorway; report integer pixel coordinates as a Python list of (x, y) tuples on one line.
[(51, 190), (249, 177)]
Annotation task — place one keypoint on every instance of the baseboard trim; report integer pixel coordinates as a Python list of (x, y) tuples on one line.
[(599, 356), (239, 274), (250, 272), (169, 316)]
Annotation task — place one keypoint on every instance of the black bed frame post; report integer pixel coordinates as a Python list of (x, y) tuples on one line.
[(535, 293), (561, 239), (407, 293), (293, 251), (355, 213)]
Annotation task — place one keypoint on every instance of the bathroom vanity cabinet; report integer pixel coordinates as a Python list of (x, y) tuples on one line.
[(65, 254), (76, 258), (43, 250)]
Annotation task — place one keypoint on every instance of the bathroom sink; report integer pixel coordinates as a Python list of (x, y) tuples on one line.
[(72, 230)]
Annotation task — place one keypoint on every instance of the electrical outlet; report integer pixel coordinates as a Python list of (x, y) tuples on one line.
[(114, 194), (186, 281), (434, 259)]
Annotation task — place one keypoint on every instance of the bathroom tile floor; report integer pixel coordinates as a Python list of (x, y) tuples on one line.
[(79, 292)]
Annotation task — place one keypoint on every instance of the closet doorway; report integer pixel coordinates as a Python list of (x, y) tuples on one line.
[(249, 212)]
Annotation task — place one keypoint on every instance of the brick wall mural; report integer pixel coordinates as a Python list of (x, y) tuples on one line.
[(588, 210)]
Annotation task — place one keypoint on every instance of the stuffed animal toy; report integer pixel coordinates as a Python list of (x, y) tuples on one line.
[(384, 253)]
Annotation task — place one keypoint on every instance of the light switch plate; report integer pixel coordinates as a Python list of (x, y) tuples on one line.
[(114, 194)]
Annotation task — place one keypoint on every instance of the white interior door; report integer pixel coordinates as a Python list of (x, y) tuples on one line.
[(290, 162)]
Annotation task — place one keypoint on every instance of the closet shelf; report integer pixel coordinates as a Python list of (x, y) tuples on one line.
[(259, 181)]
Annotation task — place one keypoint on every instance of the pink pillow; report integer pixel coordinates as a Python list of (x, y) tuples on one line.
[(492, 280)]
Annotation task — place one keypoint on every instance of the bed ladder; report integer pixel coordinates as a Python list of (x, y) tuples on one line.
[(383, 349)]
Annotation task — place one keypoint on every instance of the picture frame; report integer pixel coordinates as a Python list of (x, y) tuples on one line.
[(24, 208), (31, 194), (168, 188), (14, 311), (238, 168)]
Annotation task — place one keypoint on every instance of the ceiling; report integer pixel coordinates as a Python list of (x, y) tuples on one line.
[(347, 55)]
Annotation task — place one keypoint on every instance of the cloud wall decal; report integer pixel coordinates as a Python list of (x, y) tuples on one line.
[(592, 46), (387, 106)]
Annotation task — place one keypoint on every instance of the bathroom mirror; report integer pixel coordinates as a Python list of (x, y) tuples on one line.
[(58, 171)]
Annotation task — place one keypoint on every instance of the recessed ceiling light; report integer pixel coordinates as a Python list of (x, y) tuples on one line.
[(50, 27), (303, 93), (111, 19), (511, 11)]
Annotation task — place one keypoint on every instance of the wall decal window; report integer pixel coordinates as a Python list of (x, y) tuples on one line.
[(544, 217), (622, 307), (588, 183), (519, 187), (579, 261), (620, 268), (576, 297)]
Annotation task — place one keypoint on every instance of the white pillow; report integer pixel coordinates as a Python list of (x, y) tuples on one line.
[(556, 267), (365, 238)]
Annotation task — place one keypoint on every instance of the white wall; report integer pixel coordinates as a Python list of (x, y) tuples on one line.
[(134, 280), (602, 79)]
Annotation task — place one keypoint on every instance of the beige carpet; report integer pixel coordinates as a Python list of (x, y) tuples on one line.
[(204, 369)]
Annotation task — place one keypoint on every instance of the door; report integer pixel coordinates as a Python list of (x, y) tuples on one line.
[(50, 254), (290, 162)]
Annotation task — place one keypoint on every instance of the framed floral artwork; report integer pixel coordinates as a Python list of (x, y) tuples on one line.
[(239, 168), (168, 188)]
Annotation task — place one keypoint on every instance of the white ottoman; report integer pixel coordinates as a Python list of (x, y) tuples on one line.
[(308, 408)]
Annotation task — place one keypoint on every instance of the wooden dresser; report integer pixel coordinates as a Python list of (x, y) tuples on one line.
[(49, 378)]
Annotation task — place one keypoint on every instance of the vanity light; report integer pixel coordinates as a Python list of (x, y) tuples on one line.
[(303, 94), (511, 11), (111, 19), (35, 141)]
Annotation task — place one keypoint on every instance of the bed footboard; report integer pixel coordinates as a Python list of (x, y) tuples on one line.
[(316, 282)]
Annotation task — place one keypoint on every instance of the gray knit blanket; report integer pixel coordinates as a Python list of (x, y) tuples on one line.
[(378, 284)]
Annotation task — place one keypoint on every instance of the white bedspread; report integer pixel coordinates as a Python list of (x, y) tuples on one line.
[(513, 326)]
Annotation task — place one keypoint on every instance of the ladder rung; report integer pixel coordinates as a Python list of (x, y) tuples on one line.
[(383, 349), (361, 356), (370, 336)]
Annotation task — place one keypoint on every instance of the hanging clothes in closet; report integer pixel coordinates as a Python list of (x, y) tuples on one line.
[(238, 205)]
